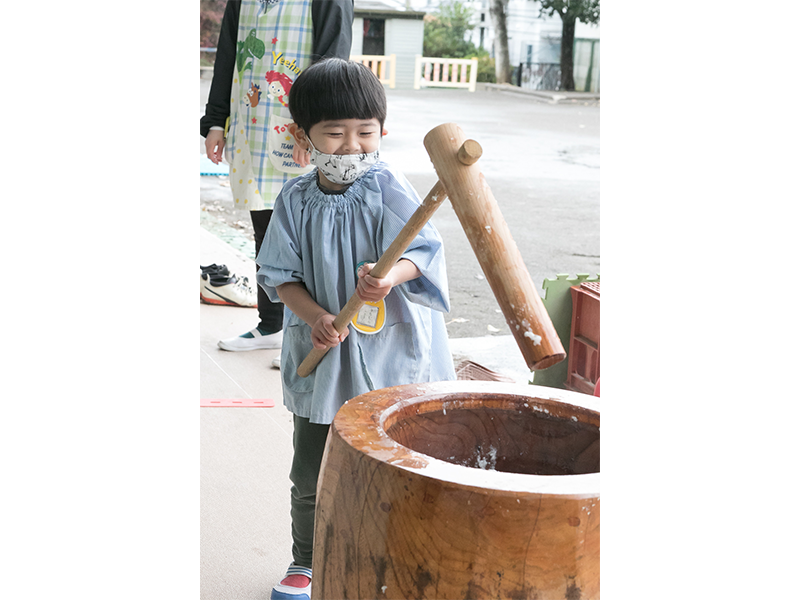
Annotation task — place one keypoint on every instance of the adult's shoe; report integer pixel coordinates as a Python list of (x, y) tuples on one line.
[(254, 339)]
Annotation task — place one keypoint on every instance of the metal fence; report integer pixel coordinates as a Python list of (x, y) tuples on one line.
[(538, 76)]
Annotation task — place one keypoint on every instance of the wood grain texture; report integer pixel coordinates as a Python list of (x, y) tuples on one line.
[(497, 253), (404, 509)]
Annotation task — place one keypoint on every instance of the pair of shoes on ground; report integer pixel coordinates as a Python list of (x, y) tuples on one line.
[(221, 287), (295, 585), (255, 339)]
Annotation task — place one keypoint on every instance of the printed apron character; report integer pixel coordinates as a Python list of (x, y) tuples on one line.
[(274, 46)]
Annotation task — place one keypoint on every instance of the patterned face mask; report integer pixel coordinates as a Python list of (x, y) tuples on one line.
[(342, 169)]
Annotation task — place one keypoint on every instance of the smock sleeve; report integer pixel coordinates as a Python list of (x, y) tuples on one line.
[(426, 250), (279, 261)]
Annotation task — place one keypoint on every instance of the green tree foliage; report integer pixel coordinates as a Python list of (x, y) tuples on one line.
[(570, 11), (444, 33)]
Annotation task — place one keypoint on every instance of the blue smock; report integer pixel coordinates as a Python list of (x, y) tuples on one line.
[(318, 239)]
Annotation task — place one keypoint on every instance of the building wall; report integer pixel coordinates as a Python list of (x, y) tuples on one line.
[(403, 38), (358, 36), (525, 28)]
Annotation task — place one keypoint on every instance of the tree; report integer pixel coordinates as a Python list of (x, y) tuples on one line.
[(444, 35), (502, 68), (570, 11), (211, 12), (445, 30)]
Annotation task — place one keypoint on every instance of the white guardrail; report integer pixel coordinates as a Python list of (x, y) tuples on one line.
[(384, 67), (445, 72)]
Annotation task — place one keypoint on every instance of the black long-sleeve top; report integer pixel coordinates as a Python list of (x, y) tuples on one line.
[(332, 22)]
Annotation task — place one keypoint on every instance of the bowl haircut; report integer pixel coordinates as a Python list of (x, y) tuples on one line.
[(335, 89)]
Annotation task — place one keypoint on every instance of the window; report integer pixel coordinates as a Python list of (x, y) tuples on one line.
[(374, 36)]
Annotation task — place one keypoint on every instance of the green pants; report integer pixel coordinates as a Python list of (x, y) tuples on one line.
[(309, 444)]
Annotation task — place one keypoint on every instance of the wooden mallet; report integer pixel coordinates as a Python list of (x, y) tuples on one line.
[(498, 255), (454, 159)]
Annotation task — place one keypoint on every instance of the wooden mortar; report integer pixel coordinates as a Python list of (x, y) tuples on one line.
[(460, 489)]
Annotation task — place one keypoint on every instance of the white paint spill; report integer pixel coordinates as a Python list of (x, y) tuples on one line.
[(383, 589), (574, 418), (537, 339), (489, 228), (444, 410)]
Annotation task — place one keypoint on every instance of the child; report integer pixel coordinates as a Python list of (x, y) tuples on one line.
[(328, 229), (263, 45)]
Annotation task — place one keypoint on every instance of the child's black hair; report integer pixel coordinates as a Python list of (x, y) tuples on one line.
[(333, 89)]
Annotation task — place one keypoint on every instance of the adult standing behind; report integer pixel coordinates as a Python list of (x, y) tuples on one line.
[(263, 46)]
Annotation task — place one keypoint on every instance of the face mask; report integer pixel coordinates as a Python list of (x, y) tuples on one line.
[(342, 169)]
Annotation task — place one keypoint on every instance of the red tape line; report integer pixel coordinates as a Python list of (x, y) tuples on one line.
[(266, 403)]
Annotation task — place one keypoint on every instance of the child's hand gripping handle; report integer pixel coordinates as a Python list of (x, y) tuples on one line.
[(385, 263)]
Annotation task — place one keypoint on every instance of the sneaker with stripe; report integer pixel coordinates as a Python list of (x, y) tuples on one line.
[(227, 291), (295, 585), (214, 270)]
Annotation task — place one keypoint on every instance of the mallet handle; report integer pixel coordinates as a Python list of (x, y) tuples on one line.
[(385, 263)]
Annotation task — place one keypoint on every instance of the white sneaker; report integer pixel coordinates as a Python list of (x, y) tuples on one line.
[(252, 340), (214, 270), (228, 291), (276, 362)]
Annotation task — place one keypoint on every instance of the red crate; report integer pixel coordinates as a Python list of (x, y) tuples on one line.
[(583, 368)]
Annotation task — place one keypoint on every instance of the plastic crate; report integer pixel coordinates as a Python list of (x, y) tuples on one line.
[(583, 370)]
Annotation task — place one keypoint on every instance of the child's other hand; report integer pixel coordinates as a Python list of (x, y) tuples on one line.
[(370, 289), (324, 334), (215, 142), (300, 153)]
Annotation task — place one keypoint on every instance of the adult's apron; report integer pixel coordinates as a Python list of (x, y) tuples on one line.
[(274, 46)]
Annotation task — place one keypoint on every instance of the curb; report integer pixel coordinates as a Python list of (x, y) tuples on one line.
[(551, 97)]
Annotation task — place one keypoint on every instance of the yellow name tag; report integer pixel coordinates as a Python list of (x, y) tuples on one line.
[(371, 318)]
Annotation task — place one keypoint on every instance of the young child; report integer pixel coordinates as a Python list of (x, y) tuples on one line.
[(328, 229)]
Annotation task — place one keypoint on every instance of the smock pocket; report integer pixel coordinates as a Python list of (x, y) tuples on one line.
[(389, 356), (280, 145), (297, 345)]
